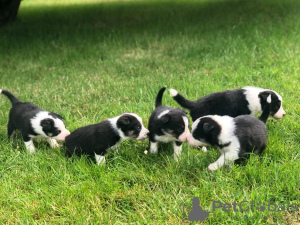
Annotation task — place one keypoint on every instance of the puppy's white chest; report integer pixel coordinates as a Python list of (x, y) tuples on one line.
[(165, 138)]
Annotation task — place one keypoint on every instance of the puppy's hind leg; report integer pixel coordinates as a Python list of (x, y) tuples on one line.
[(29, 144), (10, 129), (100, 159), (177, 150)]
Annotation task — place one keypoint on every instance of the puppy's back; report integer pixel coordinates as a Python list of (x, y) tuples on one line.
[(91, 139), (252, 134)]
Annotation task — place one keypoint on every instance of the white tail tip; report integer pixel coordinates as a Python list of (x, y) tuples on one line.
[(0, 90), (173, 92), (269, 99)]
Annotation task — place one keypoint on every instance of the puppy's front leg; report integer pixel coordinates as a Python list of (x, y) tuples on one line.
[(153, 147), (29, 145), (53, 143), (217, 164), (100, 159), (177, 149), (225, 158), (204, 149)]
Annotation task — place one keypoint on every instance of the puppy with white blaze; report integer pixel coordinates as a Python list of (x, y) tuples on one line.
[(167, 124), (34, 122), (235, 137), (95, 140), (243, 101)]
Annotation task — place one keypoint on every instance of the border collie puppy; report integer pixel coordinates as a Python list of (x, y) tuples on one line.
[(167, 124), (95, 140), (244, 101), (235, 137), (34, 122)]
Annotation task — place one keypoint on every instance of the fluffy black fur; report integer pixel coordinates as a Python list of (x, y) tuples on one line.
[(250, 132), (91, 139), (21, 115), (98, 138), (167, 128), (231, 103)]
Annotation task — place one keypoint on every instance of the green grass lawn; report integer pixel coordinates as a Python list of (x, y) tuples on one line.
[(91, 60)]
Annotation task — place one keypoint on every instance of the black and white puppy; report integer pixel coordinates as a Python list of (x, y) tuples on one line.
[(243, 101), (95, 140), (167, 124), (34, 122), (235, 137)]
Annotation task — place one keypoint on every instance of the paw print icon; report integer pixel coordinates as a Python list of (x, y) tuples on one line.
[(261, 206)]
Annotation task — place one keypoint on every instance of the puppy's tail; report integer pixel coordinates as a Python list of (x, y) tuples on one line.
[(12, 98), (266, 111), (158, 100), (181, 100)]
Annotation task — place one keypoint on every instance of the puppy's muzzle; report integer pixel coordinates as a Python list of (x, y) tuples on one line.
[(143, 134), (62, 136)]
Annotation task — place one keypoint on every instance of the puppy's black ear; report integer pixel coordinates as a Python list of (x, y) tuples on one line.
[(123, 121), (165, 118), (47, 124), (184, 111), (207, 127), (264, 95)]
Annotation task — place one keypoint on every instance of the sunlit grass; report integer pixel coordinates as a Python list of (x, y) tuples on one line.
[(92, 60)]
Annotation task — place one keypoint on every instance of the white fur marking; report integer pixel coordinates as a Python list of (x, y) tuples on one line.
[(173, 92), (204, 149), (143, 132), (225, 159), (177, 151), (53, 143), (163, 113), (191, 140), (153, 148), (194, 142), (228, 153), (269, 99), (58, 123), (30, 147), (254, 101), (100, 159), (280, 113), (183, 137), (251, 94), (166, 138)]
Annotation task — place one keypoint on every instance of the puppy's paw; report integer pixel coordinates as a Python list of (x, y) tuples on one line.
[(32, 151), (53, 143), (176, 157), (56, 145), (212, 166), (204, 149), (153, 151)]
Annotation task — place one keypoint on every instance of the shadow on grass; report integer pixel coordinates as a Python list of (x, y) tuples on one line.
[(88, 23)]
